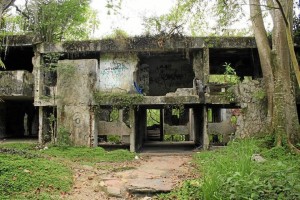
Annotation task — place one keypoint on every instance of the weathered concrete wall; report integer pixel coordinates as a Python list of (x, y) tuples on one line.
[(117, 72), (148, 44), (113, 128), (252, 118), (167, 73), (16, 83), (173, 130), (224, 128), (76, 83)]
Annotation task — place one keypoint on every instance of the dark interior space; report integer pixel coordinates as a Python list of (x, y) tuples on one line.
[(161, 73), (244, 61), (17, 58), (21, 119), (80, 55)]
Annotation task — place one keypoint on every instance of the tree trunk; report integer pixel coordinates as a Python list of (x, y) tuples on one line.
[(264, 51), (278, 60)]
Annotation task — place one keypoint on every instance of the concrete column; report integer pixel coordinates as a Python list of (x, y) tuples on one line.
[(205, 65), (205, 125), (96, 131), (191, 124), (41, 122), (75, 86), (161, 125), (133, 130)]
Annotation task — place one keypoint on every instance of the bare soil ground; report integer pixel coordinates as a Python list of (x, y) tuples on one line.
[(136, 179)]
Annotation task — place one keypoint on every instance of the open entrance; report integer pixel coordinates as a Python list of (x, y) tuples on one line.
[(23, 61), (222, 124), (114, 127), (169, 128), (154, 125), (18, 119)]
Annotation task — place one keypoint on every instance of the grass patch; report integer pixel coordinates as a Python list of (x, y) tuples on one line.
[(86, 154), (19, 146), (231, 174), (23, 178), (29, 173)]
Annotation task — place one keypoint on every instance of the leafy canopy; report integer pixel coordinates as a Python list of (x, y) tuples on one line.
[(52, 20)]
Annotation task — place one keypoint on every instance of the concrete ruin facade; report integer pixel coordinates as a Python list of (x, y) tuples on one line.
[(72, 89)]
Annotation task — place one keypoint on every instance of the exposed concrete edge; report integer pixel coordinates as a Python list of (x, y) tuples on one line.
[(147, 44)]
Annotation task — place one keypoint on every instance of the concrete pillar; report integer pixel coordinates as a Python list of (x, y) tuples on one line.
[(140, 127), (205, 125), (191, 124), (200, 127), (205, 65), (161, 127), (133, 130), (76, 81), (41, 122)]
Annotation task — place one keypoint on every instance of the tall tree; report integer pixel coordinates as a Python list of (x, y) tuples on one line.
[(49, 20), (276, 61)]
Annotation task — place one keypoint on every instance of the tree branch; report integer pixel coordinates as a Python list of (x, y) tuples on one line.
[(21, 12), (282, 13)]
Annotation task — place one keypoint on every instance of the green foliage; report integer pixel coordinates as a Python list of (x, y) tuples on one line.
[(52, 20), (113, 6), (114, 115), (260, 94), (153, 117), (21, 177), (231, 174), (116, 139), (19, 146), (230, 74), (29, 173), (119, 100), (118, 34), (191, 16), (63, 138), (174, 137)]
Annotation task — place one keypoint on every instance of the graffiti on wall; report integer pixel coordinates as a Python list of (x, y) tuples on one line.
[(116, 73), (168, 75)]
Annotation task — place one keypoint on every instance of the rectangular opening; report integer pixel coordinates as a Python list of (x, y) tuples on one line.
[(113, 126), (154, 125), (245, 63), (162, 73), (222, 124), (19, 119)]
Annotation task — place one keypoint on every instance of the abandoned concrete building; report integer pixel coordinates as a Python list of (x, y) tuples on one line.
[(96, 92)]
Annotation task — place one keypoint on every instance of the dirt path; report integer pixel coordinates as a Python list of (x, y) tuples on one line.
[(144, 176)]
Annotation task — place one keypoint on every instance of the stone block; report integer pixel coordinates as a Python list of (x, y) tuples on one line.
[(76, 81)]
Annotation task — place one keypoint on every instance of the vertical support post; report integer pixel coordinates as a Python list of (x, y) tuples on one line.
[(191, 125), (205, 125), (133, 130), (41, 124), (161, 127), (96, 131), (205, 65)]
